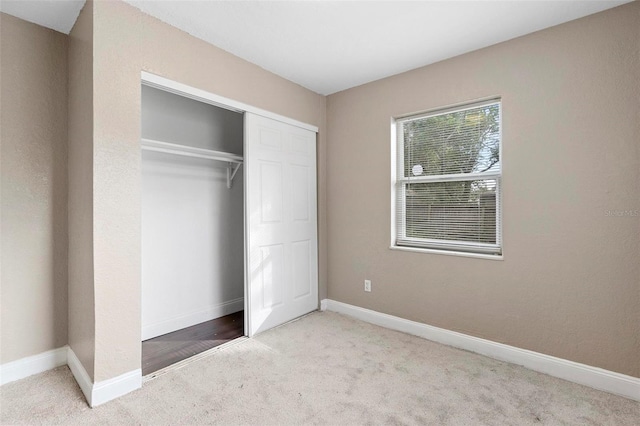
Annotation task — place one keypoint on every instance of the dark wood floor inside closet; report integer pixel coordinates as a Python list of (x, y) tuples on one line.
[(170, 348)]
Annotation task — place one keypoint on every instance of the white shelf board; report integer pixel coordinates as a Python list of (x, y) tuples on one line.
[(189, 151), (233, 161)]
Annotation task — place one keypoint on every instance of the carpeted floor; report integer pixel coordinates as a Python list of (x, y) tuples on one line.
[(328, 369)]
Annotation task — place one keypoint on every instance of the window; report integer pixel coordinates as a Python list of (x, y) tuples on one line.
[(447, 180)]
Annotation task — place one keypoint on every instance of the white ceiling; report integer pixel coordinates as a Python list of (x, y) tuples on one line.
[(59, 15), (329, 46)]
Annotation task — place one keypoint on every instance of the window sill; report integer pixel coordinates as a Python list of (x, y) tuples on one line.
[(448, 253)]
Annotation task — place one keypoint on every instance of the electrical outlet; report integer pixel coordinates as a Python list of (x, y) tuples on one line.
[(367, 285)]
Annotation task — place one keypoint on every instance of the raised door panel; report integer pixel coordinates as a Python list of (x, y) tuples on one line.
[(270, 192)]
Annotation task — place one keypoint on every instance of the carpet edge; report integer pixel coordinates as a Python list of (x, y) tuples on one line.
[(594, 377)]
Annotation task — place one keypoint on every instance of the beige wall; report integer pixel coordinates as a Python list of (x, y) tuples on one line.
[(33, 200), (569, 284), (126, 41), (81, 281)]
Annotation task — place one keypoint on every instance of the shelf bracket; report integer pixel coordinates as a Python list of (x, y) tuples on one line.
[(231, 173)]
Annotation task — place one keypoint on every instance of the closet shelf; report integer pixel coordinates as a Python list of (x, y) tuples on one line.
[(233, 161), (173, 148)]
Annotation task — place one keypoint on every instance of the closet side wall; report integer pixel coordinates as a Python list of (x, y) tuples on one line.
[(127, 42), (81, 229)]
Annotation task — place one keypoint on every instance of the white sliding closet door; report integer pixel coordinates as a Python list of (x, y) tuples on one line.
[(282, 267)]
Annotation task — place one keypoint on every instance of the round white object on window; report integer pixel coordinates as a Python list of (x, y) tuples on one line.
[(417, 170)]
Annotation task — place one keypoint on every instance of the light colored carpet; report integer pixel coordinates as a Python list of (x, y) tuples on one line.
[(328, 369)]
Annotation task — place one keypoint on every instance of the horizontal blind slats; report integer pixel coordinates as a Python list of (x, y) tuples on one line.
[(448, 184), (457, 211), (458, 142)]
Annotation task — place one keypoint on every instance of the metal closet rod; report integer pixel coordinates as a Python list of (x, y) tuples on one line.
[(234, 161)]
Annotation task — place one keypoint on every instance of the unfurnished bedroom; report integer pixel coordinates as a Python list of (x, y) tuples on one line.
[(320, 212)]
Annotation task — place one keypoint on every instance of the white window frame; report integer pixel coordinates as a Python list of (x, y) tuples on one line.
[(399, 241)]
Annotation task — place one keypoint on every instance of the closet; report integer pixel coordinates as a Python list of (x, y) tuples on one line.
[(192, 219), (229, 220)]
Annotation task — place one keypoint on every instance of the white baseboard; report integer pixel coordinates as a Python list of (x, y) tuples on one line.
[(95, 393), (81, 375), (104, 391), (25, 367), (159, 328), (598, 378), (113, 388), (323, 304)]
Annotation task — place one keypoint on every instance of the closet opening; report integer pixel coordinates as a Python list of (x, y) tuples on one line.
[(193, 240)]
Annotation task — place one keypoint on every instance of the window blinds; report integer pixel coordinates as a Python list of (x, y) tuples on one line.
[(448, 182)]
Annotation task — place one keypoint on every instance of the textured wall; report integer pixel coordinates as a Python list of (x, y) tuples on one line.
[(81, 282), (33, 199), (569, 284), (126, 41)]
